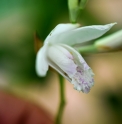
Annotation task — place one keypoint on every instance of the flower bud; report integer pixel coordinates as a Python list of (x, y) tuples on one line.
[(111, 42)]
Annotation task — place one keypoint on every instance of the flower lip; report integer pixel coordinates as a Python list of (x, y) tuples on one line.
[(73, 68)]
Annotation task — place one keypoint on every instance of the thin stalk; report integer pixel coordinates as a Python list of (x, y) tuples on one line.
[(94, 49), (62, 101), (87, 49)]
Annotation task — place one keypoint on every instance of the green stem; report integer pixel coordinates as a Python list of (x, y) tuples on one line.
[(83, 4), (87, 49), (62, 101), (93, 49)]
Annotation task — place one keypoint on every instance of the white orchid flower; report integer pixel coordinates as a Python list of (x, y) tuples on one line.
[(58, 53)]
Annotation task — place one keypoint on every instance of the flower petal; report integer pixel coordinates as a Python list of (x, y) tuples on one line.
[(83, 78), (81, 35), (41, 62), (62, 58), (59, 70), (61, 28), (57, 60), (69, 63)]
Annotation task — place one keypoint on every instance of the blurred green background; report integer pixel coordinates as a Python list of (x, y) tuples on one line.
[(18, 22)]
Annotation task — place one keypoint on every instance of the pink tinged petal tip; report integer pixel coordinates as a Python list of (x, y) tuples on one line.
[(83, 80)]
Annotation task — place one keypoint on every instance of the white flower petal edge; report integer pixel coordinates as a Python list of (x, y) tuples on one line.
[(66, 60), (41, 62), (62, 28)]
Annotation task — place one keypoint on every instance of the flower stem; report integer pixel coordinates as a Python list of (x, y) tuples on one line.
[(87, 49), (62, 101)]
